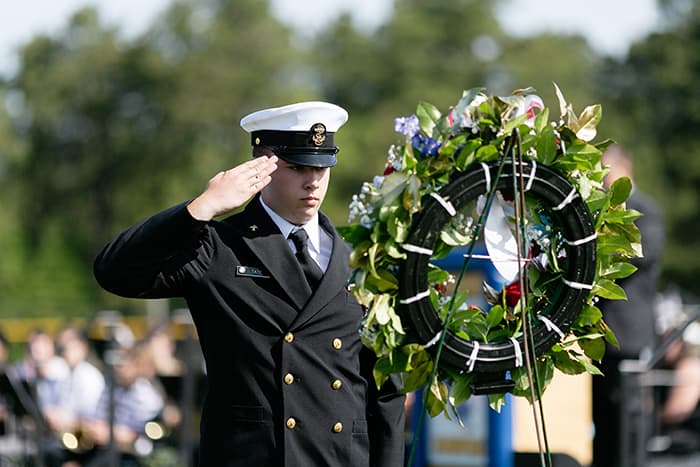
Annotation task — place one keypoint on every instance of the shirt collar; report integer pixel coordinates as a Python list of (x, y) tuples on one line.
[(286, 227)]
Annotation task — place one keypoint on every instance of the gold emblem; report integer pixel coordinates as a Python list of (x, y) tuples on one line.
[(257, 141), (318, 133)]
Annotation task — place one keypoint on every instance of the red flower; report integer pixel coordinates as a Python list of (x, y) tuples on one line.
[(389, 169), (441, 288), (535, 250), (512, 293)]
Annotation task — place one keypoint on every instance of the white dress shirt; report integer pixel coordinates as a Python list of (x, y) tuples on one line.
[(320, 242)]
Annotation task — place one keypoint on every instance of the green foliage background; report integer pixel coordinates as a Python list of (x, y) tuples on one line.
[(97, 131)]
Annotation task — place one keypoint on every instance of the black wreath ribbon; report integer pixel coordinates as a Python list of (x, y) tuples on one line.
[(568, 212)]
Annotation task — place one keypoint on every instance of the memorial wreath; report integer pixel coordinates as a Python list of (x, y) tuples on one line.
[(491, 175)]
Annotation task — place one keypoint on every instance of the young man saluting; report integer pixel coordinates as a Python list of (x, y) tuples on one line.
[(289, 382)]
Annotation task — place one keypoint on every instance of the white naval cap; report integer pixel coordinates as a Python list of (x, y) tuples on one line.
[(299, 133)]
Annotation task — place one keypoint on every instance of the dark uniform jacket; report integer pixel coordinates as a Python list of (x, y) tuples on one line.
[(633, 320), (289, 382)]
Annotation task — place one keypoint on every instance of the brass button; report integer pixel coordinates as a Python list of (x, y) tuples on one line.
[(336, 384), (291, 423), (289, 337), (337, 343), (289, 378), (338, 427)]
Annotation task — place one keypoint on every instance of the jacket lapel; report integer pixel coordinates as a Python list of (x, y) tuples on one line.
[(334, 279), (265, 241)]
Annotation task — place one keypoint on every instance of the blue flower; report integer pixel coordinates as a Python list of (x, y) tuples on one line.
[(408, 126), (426, 146)]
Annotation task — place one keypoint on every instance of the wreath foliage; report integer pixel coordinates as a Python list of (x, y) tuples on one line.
[(437, 149)]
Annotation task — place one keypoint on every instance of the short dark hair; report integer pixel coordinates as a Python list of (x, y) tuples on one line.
[(263, 151)]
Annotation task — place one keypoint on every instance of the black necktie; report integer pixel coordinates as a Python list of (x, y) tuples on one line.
[(311, 269)]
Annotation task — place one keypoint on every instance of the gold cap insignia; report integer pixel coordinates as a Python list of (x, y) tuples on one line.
[(318, 134)]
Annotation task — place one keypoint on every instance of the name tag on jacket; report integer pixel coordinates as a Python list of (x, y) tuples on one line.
[(249, 271)]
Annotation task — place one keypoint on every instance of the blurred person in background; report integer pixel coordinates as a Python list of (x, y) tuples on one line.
[(632, 320), (80, 391), (42, 371), (169, 371), (5, 409), (136, 401), (4, 351), (678, 397), (77, 395), (679, 412)]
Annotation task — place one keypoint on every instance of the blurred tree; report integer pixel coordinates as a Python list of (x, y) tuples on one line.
[(428, 51), (101, 131), (654, 104), (116, 130), (568, 60)]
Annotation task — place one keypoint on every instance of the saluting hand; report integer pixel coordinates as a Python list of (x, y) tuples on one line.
[(231, 188)]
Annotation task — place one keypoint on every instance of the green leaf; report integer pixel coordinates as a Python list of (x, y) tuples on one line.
[(542, 121), (437, 275), (622, 216), (398, 227), (620, 190), (382, 281), (428, 116), (381, 370), (590, 367), (608, 289), (467, 155), (436, 402), (455, 237), (452, 145), (354, 234), (417, 377), (563, 105), (546, 145), (597, 201), (608, 333), (497, 402), (487, 153), (614, 245), (392, 249), (495, 316), (588, 121), (392, 187), (593, 348), (589, 316), (379, 310), (618, 270), (461, 388), (567, 365), (581, 148), (411, 195)]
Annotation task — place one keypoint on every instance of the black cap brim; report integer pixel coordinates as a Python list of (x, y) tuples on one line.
[(309, 160)]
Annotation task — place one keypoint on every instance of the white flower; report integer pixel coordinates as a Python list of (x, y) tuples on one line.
[(528, 106), (478, 100)]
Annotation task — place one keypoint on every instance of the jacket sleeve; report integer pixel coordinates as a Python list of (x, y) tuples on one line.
[(385, 416), (154, 258)]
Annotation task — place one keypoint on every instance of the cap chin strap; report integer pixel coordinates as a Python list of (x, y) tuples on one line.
[(305, 150)]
